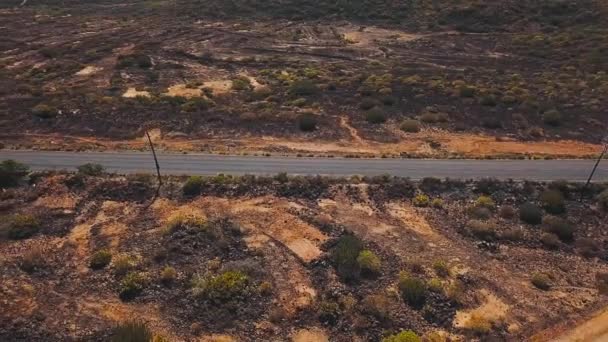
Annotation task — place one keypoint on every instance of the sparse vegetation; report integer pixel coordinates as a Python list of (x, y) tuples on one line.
[(345, 254), (307, 122), (530, 213), (376, 305), (193, 186), (33, 260), (421, 200), (168, 275), (91, 169), (132, 331), (132, 285), (100, 259), (123, 265), (552, 118), (44, 111), (19, 226), (602, 200), (485, 202), (369, 263), (11, 173), (228, 285), (560, 227), (412, 290), (410, 126), (441, 268), (375, 116), (553, 201), (482, 230), (403, 336), (541, 281)]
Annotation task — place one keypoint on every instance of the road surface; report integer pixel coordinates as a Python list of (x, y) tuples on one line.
[(205, 164)]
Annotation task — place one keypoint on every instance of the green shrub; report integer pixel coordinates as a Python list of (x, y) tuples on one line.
[(437, 203), (482, 230), (368, 103), (100, 259), (553, 201), (602, 200), (421, 200), (412, 290), (441, 268), (465, 91), (265, 288), (488, 100), (485, 202), (530, 213), (376, 305), (552, 118), (184, 222), (375, 116), (368, 262), (132, 285), (560, 227), (435, 285), (33, 260), (344, 256), (11, 173), (479, 213), (541, 281), (328, 311), (133, 331), (429, 117), (550, 240), (241, 83), (601, 281), (136, 59), (193, 186), (123, 265), (507, 212), (307, 122), (168, 275), (513, 234), (91, 169), (228, 285), (410, 126), (20, 226), (303, 88), (403, 336), (44, 111), (196, 104)]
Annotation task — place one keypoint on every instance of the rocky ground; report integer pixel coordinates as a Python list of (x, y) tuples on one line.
[(303, 259)]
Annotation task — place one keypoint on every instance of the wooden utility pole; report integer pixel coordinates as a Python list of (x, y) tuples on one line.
[(597, 163), (160, 181)]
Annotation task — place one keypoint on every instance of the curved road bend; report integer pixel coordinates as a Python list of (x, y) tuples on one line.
[(205, 164)]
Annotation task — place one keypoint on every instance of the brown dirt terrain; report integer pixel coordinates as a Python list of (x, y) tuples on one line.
[(285, 233), (102, 74)]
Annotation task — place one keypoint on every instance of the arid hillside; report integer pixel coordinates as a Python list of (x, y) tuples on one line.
[(302, 259), (386, 77)]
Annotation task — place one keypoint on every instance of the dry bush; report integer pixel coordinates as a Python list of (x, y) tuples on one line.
[(377, 306), (412, 290), (530, 213), (100, 259), (507, 212), (34, 259), (482, 230), (541, 281)]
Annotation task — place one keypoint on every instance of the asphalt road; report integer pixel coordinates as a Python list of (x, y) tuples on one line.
[(204, 164)]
